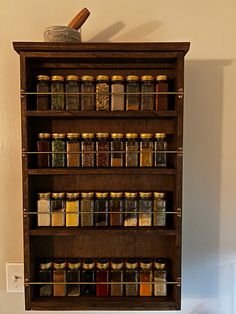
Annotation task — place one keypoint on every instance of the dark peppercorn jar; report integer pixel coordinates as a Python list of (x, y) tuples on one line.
[(147, 89), (101, 209), (88, 275)]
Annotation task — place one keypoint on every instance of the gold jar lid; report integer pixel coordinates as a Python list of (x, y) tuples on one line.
[(87, 78), (102, 78), (87, 194), (58, 135), (101, 194), (102, 135), (147, 78), (43, 77), (117, 78), (73, 135), (74, 263), (131, 263), (44, 135), (146, 135), (59, 264), (102, 263), (88, 263), (132, 78), (87, 135), (117, 263), (159, 194), (146, 263), (72, 195), (162, 78), (45, 264), (58, 195), (160, 135), (131, 194), (44, 195), (72, 78), (131, 135), (145, 194), (159, 264), (116, 194), (57, 78), (117, 135)]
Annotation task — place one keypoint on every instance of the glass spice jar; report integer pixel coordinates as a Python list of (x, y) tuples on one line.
[(43, 86), (116, 209), (117, 90), (132, 89), (117, 275), (147, 90), (101, 209), (88, 275), (43, 145), (145, 288), (43, 209), (102, 275), (130, 209), (160, 144), (73, 275), (72, 87), (117, 145), (57, 88), (131, 277), (87, 148), (45, 275), (160, 278), (59, 275), (87, 209), (102, 149), (72, 209), (58, 150), (102, 92), (131, 148), (87, 93), (58, 210), (162, 87), (73, 149), (159, 208), (145, 209), (146, 150)]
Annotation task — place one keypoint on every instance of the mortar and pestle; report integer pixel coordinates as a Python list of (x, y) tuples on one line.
[(68, 33)]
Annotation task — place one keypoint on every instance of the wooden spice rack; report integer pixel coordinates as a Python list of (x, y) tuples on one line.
[(94, 59)]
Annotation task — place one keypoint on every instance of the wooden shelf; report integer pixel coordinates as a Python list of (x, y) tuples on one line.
[(102, 171), (104, 303), (102, 114), (122, 231)]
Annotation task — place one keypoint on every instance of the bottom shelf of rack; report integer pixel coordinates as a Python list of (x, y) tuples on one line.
[(104, 303)]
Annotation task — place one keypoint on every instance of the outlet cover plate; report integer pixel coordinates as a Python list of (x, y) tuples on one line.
[(15, 277)]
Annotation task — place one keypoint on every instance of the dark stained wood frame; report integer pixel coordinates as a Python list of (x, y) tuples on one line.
[(98, 58)]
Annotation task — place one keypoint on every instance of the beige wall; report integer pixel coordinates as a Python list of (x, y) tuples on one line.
[(209, 246)]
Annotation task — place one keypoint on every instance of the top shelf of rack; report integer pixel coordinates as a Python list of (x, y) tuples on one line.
[(122, 47)]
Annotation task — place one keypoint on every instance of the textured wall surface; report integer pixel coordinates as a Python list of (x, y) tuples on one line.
[(209, 241)]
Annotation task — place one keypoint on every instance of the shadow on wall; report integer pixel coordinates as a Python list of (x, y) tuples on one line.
[(137, 34), (202, 180)]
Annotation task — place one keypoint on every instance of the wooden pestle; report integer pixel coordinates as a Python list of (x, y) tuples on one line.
[(79, 19)]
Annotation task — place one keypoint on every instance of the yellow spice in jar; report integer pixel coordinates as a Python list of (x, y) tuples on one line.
[(72, 220)]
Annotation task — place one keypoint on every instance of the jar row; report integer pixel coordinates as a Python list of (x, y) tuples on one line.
[(102, 150), (87, 209), (102, 277), (102, 93)]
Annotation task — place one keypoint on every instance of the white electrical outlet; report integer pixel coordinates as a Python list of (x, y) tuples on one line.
[(15, 277)]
